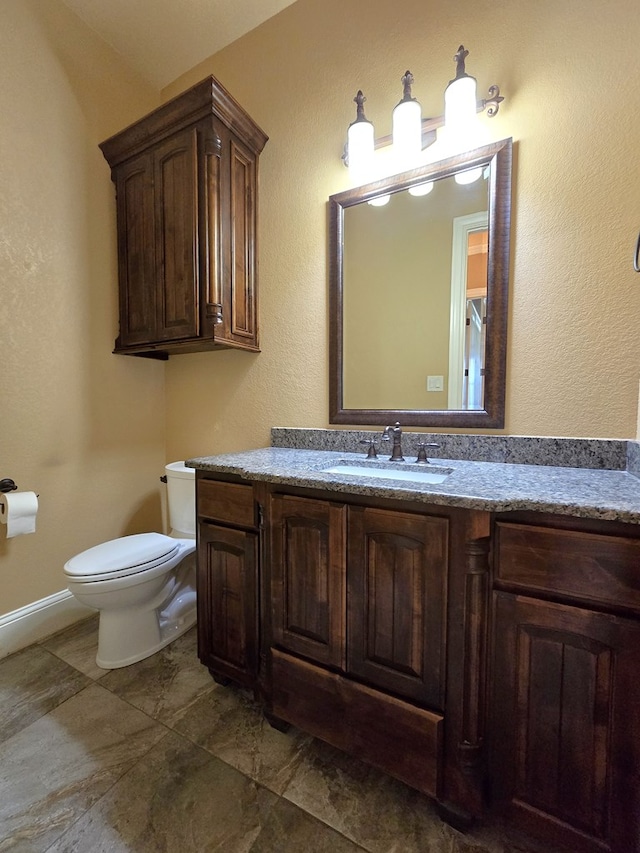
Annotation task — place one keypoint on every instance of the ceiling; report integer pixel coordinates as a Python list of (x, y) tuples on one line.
[(162, 39)]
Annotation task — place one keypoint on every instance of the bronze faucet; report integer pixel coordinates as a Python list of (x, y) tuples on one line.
[(396, 452)]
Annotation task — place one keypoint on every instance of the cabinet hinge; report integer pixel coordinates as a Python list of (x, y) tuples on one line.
[(260, 516)]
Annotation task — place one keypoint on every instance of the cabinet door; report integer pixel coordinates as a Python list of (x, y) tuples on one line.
[(136, 251), (239, 309), (308, 578), (227, 606), (566, 723), (177, 269), (397, 602)]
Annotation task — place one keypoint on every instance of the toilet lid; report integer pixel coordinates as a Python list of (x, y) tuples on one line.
[(125, 556)]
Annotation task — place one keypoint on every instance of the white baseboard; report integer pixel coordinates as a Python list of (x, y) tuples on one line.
[(36, 621)]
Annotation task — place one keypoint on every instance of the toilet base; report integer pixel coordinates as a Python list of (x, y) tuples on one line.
[(108, 656), (131, 634)]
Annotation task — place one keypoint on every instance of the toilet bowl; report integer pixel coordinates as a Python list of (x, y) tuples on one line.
[(143, 585)]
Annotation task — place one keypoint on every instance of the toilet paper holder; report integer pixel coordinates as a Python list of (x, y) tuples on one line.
[(6, 485)]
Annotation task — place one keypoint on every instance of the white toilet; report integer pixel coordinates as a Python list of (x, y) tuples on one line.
[(143, 585)]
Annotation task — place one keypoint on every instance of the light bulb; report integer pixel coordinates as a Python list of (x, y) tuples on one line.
[(407, 131), (407, 126), (360, 145), (379, 201), (460, 104)]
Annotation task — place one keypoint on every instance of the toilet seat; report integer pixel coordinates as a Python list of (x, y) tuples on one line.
[(120, 558)]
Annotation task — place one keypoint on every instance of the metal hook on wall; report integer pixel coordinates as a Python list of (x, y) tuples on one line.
[(636, 256), (7, 485)]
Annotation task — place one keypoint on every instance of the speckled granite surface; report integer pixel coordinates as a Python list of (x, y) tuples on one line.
[(503, 487), (633, 457), (609, 454)]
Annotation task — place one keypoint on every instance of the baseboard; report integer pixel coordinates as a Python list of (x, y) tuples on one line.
[(36, 621)]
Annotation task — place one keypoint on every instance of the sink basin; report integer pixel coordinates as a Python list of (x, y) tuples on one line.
[(391, 472)]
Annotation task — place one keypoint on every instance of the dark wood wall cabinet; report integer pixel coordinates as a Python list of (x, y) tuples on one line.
[(492, 663), (186, 178)]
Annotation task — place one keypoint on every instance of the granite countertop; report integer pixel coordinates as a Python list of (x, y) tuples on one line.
[(490, 486)]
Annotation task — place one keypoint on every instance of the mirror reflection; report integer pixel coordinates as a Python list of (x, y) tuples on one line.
[(416, 257), (418, 292)]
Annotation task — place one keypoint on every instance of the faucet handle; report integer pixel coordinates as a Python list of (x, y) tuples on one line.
[(422, 450), (372, 453)]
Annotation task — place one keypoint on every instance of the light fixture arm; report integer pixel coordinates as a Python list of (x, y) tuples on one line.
[(492, 103)]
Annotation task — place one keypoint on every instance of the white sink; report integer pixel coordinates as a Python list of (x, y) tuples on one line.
[(412, 474)]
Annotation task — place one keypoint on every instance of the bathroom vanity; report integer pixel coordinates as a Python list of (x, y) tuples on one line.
[(477, 638)]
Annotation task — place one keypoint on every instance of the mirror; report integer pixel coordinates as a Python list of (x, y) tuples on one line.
[(418, 295)]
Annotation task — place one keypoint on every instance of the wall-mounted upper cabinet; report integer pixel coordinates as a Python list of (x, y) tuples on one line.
[(186, 178)]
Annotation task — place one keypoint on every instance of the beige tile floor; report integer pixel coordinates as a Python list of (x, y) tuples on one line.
[(157, 757)]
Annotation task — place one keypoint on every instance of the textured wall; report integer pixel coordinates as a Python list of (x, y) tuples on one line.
[(80, 426), (570, 77)]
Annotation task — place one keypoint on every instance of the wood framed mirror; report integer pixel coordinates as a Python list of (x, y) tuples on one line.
[(418, 295)]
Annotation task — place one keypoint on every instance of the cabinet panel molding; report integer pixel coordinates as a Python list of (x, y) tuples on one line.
[(227, 601), (583, 566), (136, 252), (175, 164), (476, 612), (397, 569), (308, 580), (393, 735), (566, 750)]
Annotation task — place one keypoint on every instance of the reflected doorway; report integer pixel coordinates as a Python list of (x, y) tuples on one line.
[(469, 267)]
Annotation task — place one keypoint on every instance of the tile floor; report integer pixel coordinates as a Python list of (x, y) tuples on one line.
[(157, 757)]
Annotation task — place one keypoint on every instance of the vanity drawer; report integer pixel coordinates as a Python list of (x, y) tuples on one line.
[(390, 734), (577, 564), (231, 503)]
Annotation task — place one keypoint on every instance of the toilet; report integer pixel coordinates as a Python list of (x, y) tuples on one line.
[(143, 585)]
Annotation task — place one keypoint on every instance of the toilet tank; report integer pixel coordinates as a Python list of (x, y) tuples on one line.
[(181, 500)]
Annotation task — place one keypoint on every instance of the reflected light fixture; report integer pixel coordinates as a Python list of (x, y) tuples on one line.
[(421, 189), (379, 200), (458, 130)]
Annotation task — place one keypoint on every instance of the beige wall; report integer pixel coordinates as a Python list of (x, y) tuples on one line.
[(570, 78), (80, 426)]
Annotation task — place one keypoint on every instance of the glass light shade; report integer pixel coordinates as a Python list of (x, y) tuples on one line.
[(460, 104), (407, 131), (360, 146), (421, 189)]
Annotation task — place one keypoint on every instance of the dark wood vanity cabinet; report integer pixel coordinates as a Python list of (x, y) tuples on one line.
[(186, 201), (565, 696), (361, 599), (373, 608), (227, 580), (487, 662)]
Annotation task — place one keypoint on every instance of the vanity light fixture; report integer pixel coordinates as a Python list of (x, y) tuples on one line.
[(458, 129)]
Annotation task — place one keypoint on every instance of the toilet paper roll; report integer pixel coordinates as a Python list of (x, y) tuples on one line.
[(18, 511)]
